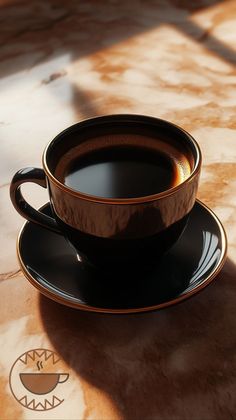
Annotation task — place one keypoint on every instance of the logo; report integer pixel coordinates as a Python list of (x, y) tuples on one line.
[(36, 380)]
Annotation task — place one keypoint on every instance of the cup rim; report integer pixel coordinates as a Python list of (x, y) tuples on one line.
[(135, 200)]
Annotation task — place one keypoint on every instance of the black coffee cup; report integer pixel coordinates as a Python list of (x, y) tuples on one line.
[(113, 232)]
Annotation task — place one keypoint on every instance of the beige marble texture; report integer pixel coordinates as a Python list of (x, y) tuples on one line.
[(60, 62)]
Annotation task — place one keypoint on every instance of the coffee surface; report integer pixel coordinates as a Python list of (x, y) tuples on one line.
[(122, 172)]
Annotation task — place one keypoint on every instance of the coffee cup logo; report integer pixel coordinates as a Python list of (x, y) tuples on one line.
[(36, 380)]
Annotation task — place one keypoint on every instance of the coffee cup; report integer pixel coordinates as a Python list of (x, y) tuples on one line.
[(121, 188), (42, 383)]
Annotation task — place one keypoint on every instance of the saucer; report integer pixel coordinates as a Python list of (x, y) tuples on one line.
[(52, 266)]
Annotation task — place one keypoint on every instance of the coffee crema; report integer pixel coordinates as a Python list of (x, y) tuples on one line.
[(125, 170)]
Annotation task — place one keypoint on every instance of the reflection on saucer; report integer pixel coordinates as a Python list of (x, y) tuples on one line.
[(210, 256)]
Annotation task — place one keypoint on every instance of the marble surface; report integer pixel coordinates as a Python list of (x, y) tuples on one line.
[(61, 62)]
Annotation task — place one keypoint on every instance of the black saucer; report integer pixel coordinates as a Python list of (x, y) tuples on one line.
[(53, 266)]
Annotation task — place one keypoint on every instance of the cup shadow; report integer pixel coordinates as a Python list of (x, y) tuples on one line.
[(175, 363)]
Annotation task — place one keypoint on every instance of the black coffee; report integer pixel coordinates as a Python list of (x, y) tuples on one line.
[(122, 172)]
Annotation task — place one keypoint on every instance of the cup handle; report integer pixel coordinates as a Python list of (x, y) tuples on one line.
[(63, 377), (37, 176)]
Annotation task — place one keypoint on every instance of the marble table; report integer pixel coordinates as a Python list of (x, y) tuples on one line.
[(61, 62)]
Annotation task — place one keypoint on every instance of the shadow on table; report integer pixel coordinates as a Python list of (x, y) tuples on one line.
[(175, 363), (35, 32), (43, 31)]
